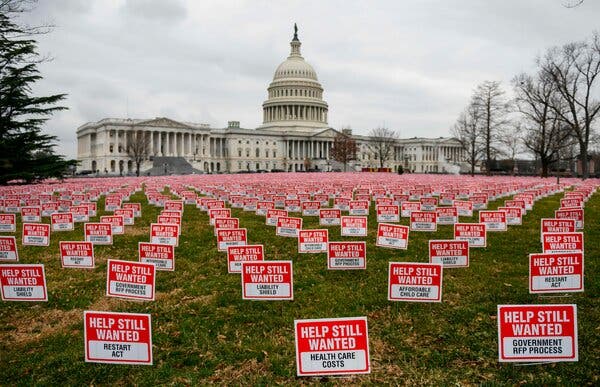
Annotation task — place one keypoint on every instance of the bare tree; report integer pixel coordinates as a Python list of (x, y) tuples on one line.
[(512, 142), (344, 148), (138, 144), (492, 108), (381, 144), (544, 133), (466, 131), (574, 69)]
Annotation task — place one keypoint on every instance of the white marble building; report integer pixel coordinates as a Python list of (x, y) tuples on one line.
[(294, 136)]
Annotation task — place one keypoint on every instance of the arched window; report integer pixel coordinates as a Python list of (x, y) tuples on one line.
[(257, 152)]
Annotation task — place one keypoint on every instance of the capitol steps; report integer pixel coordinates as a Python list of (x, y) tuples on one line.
[(171, 166)]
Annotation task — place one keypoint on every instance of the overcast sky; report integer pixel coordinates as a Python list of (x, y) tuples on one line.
[(408, 65)]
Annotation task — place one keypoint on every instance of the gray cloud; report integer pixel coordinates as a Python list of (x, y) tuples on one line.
[(409, 65)]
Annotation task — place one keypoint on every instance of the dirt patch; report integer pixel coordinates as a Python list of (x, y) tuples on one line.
[(244, 371), (31, 327)]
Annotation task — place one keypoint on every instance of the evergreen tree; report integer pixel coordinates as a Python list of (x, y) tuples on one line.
[(25, 152)]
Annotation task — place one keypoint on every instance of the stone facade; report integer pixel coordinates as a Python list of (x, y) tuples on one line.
[(294, 136)]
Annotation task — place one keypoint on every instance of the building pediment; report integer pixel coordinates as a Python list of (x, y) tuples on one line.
[(163, 122), (327, 133)]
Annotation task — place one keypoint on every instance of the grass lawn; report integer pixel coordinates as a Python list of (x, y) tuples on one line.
[(204, 332)]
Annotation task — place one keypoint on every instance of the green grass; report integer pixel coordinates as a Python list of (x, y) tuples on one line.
[(204, 332)]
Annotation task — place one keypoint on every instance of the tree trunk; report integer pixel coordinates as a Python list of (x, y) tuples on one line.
[(137, 169), (583, 154), (544, 167)]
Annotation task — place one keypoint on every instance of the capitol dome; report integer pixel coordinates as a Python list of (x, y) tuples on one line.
[(295, 96), (295, 67)]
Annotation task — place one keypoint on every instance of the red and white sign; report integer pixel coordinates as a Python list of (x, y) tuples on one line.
[(423, 221), (562, 242), (231, 237), (292, 205), (127, 214), (557, 225), (116, 222), (341, 203), (388, 213), (493, 220), (428, 203), (330, 217), (267, 280), (162, 256), (170, 218), (8, 223), (49, 208), (218, 213), (446, 198), (407, 207), (446, 215), (555, 272), (8, 249), (537, 333), (136, 207), (273, 214), (31, 214), (62, 221), (226, 223), (23, 282), (474, 233), (263, 207), (358, 207), (418, 282), (570, 202), (164, 234), (313, 241), (571, 213), (118, 338), (449, 253), (346, 255), (36, 234), (332, 346), (77, 254), (464, 207), (288, 227), (311, 208), (81, 214), (133, 280), (394, 236), (98, 233), (514, 215), (174, 205), (238, 254), (354, 226), (111, 203)]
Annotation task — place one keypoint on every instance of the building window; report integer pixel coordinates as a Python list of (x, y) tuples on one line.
[(111, 148), (239, 165), (239, 152), (247, 152), (257, 152), (266, 153), (274, 154), (257, 166)]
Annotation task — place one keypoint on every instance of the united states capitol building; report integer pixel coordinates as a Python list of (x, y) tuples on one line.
[(294, 136)]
